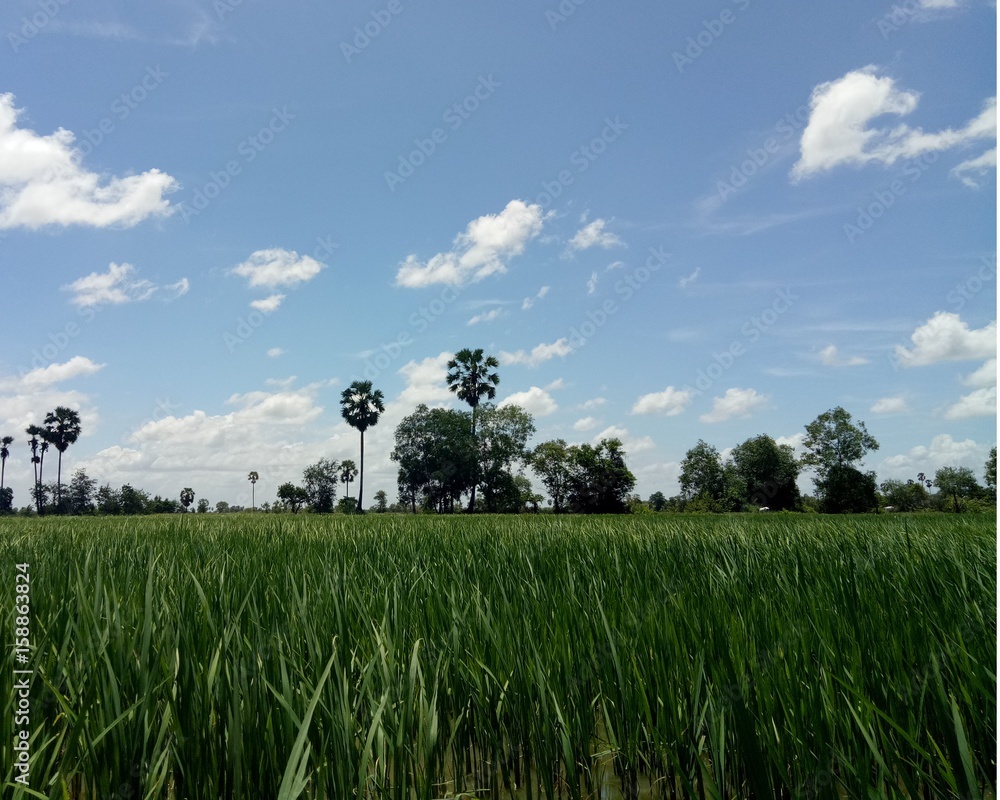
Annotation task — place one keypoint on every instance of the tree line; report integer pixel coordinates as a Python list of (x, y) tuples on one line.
[(446, 456)]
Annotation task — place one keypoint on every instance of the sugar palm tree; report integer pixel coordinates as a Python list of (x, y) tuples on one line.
[(361, 406), (5, 443), (469, 377), (348, 472), (253, 477), (62, 428), (38, 447)]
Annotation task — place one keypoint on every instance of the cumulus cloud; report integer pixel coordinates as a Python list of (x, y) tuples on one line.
[(268, 304), (275, 267), (945, 337), (736, 403), (586, 424), (839, 130), (669, 402), (43, 182), (118, 285), (984, 377), (43, 377), (594, 235), (890, 405), (274, 352), (483, 249), (830, 357), (943, 451), (539, 354), (535, 401), (980, 403), (595, 402), (427, 381)]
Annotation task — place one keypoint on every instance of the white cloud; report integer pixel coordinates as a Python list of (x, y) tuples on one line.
[(43, 182), (486, 316), (689, 279), (592, 283), (535, 401), (943, 451), (615, 265), (274, 352), (586, 424), (944, 337), (830, 357), (54, 373), (595, 402), (838, 131), (979, 403), (979, 166), (669, 402), (530, 301), (427, 381), (268, 304), (736, 403), (631, 443), (890, 405), (482, 250), (179, 289), (277, 267), (984, 377), (594, 235), (117, 285), (539, 354)]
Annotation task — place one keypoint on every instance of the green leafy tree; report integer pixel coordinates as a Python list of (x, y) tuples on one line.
[(989, 476), (81, 493), (187, 497), (702, 476), (437, 458), (503, 440), (904, 495), (348, 472), (133, 501), (6, 500), (361, 406), (293, 497), (956, 483), (471, 379), (600, 481), (835, 446), (253, 477), (551, 462), (320, 485), (62, 428), (108, 501), (764, 473), (527, 496), (203, 505), (657, 501), (381, 501)]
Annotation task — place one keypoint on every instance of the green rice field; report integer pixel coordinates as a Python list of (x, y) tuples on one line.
[(654, 656)]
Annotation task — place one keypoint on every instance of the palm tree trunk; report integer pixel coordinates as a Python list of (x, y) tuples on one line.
[(361, 476), (39, 493), (59, 483), (475, 470)]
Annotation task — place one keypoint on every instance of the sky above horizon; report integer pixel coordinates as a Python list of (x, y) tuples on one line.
[(707, 221)]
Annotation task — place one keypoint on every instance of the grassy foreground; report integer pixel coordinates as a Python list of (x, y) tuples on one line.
[(401, 657)]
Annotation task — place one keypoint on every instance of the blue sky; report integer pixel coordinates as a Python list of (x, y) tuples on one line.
[(670, 224)]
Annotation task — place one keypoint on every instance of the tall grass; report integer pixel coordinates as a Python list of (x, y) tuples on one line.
[(541, 657)]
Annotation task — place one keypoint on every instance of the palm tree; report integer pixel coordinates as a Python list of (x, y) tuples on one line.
[(5, 443), (187, 497), (348, 472), (361, 406), (253, 477), (469, 377), (62, 428), (37, 444)]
